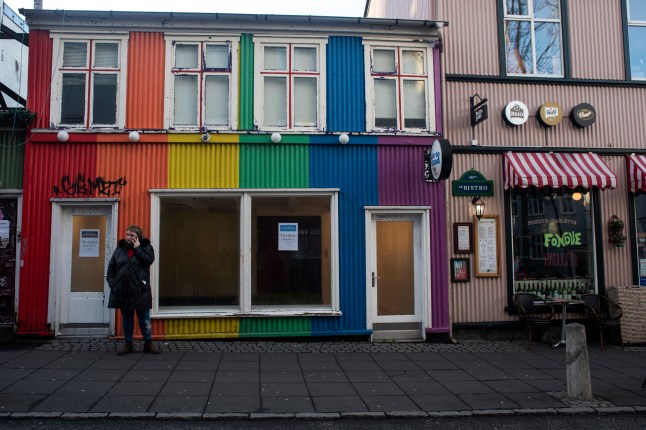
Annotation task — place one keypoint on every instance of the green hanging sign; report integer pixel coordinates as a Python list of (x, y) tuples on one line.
[(472, 183)]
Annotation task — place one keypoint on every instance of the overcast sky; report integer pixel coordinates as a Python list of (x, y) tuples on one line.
[(279, 7)]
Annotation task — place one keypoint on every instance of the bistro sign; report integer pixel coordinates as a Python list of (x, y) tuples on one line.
[(472, 183)]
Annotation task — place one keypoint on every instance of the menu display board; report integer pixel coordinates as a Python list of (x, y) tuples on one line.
[(487, 245)]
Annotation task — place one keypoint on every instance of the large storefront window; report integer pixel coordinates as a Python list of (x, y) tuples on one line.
[(553, 245), (246, 252), (640, 215)]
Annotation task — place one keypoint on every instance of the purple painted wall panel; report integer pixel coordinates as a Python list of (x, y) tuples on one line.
[(401, 183)]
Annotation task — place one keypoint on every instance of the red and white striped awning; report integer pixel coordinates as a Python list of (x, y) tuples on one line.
[(636, 166), (547, 169)]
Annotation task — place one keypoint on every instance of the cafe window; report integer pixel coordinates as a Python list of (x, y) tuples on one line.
[(246, 252), (640, 218), (553, 250)]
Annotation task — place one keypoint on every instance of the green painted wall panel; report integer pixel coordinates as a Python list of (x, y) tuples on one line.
[(12, 156), (269, 327), (274, 166), (245, 114)]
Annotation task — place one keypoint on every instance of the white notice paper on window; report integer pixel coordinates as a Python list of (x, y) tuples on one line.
[(288, 236), (89, 243), (4, 233)]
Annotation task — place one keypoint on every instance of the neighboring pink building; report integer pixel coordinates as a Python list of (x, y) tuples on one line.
[(569, 156)]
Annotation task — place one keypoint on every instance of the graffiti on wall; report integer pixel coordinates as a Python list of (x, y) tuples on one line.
[(80, 185)]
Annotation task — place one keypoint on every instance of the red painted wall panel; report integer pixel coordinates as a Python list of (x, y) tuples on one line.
[(40, 76), (51, 170)]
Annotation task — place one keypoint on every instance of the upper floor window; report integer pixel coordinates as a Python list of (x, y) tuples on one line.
[(533, 39), (636, 35), (399, 89), (201, 82), (290, 84), (90, 83)]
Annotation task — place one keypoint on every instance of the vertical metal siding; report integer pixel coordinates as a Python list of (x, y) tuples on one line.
[(619, 120), (40, 76), (45, 165), (404, 9), (481, 299), (345, 72), (352, 169), (596, 54), (145, 88), (200, 328), (401, 183), (617, 261), (274, 166), (269, 327), (12, 154), (245, 83), (200, 165), (143, 166), (471, 40)]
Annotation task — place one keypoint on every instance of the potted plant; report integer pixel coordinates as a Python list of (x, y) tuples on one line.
[(616, 231), (16, 117)]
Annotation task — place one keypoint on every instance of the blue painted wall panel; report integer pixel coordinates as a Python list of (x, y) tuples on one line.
[(352, 169), (346, 90)]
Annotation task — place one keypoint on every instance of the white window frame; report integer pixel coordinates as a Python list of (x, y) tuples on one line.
[(246, 307), (169, 81), (260, 42), (428, 77), (532, 20), (632, 23), (58, 40)]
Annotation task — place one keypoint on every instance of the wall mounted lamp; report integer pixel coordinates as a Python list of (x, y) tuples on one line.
[(134, 136), (478, 207), (276, 137), (63, 136), (205, 137), (344, 138)]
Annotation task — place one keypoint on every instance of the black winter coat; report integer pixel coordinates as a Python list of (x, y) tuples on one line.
[(129, 278)]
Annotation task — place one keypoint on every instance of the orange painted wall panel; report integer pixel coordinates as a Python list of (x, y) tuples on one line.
[(145, 99), (141, 166)]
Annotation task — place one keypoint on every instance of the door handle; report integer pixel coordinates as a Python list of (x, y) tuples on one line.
[(374, 279)]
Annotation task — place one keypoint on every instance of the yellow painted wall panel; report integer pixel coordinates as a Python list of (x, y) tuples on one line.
[(203, 165)]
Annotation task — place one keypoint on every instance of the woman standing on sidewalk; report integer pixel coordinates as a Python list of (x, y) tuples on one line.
[(129, 281)]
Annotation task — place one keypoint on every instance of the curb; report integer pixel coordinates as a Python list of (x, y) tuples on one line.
[(317, 416)]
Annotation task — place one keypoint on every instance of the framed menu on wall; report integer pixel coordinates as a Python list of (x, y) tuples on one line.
[(487, 246)]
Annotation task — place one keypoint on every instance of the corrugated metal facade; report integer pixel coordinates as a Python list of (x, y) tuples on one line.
[(371, 170), (145, 87), (618, 124), (346, 85), (40, 76), (12, 154)]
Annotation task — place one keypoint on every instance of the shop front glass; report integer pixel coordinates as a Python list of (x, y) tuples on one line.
[(553, 246), (640, 218)]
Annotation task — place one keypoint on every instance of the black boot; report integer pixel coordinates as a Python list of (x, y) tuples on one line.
[(126, 349), (150, 348)]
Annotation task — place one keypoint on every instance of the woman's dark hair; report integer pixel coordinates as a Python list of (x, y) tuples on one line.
[(138, 231)]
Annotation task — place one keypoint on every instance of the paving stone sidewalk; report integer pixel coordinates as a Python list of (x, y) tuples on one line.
[(83, 378)]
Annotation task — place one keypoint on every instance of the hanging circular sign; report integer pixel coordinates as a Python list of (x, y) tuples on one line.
[(583, 115), (516, 113), (440, 160), (550, 114)]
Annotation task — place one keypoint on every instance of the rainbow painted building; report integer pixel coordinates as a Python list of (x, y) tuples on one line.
[(276, 163)]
